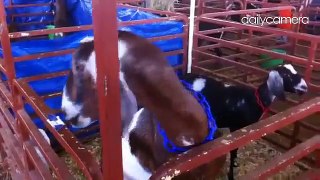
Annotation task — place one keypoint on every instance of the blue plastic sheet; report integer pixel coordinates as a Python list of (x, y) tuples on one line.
[(61, 63), (27, 10)]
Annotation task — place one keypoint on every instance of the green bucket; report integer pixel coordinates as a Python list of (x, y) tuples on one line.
[(268, 64), (51, 36)]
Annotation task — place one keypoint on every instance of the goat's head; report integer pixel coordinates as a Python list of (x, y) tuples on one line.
[(83, 61), (80, 83), (285, 78), (83, 108)]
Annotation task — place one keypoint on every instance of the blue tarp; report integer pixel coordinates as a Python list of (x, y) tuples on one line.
[(80, 11), (26, 10)]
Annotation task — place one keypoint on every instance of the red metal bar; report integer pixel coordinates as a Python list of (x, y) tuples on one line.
[(11, 159), (49, 31), (69, 142), (5, 44), (247, 11), (28, 5), (257, 50), (108, 86), (256, 38), (59, 167), (269, 30), (43, 55), (11, 141), (34, 23), (210, 151), (30, 14), (312, 51), (45, 76), (36, 161)]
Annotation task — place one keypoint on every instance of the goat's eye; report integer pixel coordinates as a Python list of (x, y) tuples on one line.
[(79, 67)]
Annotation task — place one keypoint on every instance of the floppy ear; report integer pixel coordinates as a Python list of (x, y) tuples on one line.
[(275, 84)]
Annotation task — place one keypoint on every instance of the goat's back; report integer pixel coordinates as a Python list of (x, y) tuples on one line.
[(154, 82), (232, 106)]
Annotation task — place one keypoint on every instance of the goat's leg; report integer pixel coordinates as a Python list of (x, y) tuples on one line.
[(233, 156)]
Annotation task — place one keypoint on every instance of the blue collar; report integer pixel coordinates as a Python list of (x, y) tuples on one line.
[(169, 146)]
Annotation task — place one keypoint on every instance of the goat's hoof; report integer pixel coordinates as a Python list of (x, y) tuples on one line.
[(230, 177)]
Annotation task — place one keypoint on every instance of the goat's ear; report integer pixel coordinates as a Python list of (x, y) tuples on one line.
[(275, 85)]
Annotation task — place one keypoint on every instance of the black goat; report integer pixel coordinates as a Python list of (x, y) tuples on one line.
[(235, 107)]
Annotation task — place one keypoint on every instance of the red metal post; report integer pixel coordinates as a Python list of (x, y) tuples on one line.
[(5, 43), (106, 45)]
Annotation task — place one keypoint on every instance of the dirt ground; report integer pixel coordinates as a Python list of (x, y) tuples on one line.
[(257, 153), (249, 157)]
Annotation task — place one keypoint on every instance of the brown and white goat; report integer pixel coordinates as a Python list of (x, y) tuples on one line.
[(166, 103), (79, 97)]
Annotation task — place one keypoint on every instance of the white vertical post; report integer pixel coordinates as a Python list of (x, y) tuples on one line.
[(191, 30)]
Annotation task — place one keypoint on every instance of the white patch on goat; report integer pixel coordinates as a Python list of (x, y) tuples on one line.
[(91, 67), (44, 134), (71, 109), (122, 49), (132, 169), (291, 68), (123, 81), (198, 84), (135, 120), (82, 122), (121, 75), (227, 85), (301, 84), (274, 76), (41, 156), (87, 39), (241, 102), (187, 142)]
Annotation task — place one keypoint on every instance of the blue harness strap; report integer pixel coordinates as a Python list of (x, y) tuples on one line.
[(169, 146)]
